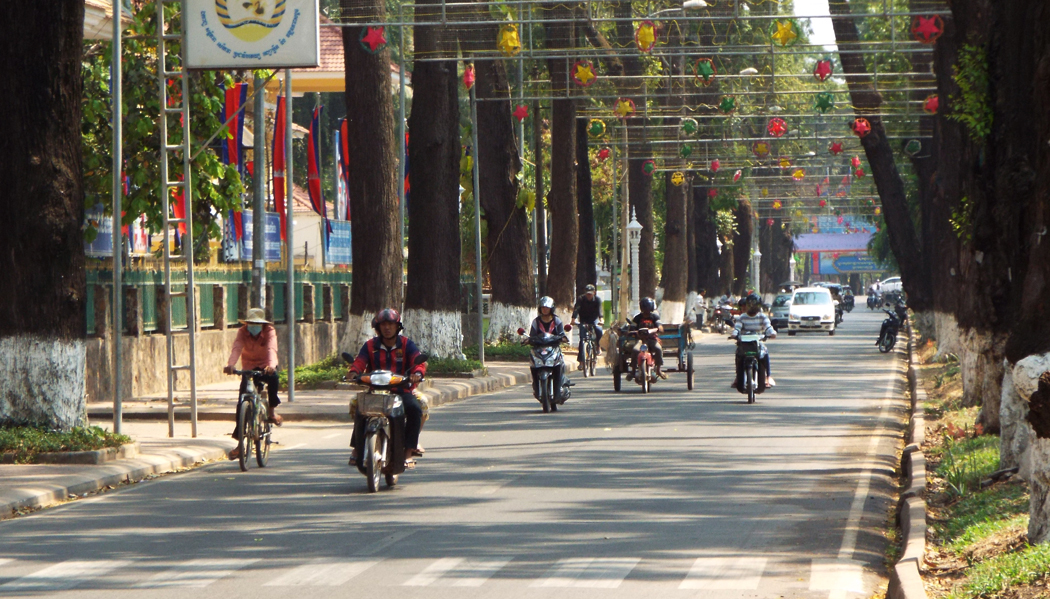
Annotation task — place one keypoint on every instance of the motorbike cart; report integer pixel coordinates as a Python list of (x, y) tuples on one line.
[(632, 356), (675, 341)]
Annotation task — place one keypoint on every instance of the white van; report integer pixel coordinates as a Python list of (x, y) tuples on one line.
[(812, 310)]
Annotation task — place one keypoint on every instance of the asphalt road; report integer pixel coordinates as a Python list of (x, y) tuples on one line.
[(671, 494)]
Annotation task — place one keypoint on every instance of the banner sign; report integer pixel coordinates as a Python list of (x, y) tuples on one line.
[(339, 250), (828, 263), (832, 242), (253, 34), (271, 237)]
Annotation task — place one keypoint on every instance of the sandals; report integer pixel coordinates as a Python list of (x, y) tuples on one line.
[(418, 452), (410, 464), (235, 453), (275, 420)]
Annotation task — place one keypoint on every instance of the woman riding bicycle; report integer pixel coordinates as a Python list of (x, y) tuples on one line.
[(256, 346)]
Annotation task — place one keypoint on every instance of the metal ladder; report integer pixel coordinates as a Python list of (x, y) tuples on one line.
[(168, 187)]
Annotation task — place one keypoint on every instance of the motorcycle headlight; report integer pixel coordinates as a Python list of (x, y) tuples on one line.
[(381, 378)]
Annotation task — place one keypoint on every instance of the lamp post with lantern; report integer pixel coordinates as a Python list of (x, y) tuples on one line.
[(634, 236)]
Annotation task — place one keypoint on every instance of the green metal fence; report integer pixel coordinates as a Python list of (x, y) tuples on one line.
[(233, 297), (207, 299)]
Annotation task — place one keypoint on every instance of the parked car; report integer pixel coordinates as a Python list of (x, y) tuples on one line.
[(778, 311), (890, 285), (812, 310)]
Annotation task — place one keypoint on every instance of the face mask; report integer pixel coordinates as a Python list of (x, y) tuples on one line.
[(255, 329)]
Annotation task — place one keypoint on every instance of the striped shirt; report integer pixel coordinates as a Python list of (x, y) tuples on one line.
[(759, 323)]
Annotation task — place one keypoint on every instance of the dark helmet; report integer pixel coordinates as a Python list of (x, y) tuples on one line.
[(589, 289), (752, 299), (387, 315), (547, 302), (647, 304)]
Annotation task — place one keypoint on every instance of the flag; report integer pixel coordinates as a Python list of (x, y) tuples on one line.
[(233, 108), (278, 164), (340, 178), (822, 188), (408, 188), (843, 189), (180, 207), (313, 174), (346, 164)]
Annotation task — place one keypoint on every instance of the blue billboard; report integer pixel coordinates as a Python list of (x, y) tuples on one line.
[(339, 250), (272, 237)]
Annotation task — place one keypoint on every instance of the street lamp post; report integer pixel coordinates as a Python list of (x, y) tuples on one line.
[(791, 267), (634, 235), (756, 270)]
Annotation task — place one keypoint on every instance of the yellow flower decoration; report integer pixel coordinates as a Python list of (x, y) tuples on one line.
[(765, 192), (784, 163), (508, 40), (786, 33), (799, 174), (645, 36), (678, 178), (624, 108), (584, 73)]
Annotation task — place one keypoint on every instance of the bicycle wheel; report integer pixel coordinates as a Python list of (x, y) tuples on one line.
[(689, 371), (262, 442), (592, 356), (584, 358), (244, 424)]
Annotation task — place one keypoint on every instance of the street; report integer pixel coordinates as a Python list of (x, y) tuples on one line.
[(619, 495)]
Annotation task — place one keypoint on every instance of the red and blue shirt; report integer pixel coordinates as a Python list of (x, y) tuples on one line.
[(400, 359)]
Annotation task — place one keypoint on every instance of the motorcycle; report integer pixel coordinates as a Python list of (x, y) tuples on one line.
[(891, 327), (547, 361), (848, 302), (722, 319), (873, 301), (752, 352), (382, 414), (633, 359)]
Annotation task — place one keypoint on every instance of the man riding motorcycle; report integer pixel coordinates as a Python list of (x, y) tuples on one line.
[(550, 324), (753, 321), (389, 350), (588, 310), (649, 329)]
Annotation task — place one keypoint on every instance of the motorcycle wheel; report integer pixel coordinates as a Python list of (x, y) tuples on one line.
[(554, 396), (244, 422), (616, 377), (373, 462), (262, 443), (545, 395), (751, 382), (689, 371), (886, 343), (644, 374)]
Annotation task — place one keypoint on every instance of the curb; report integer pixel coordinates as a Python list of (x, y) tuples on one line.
[(112, 474), (124, 452), (905, 578)]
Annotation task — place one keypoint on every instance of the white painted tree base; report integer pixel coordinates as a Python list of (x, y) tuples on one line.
[(42, 381), (690, 304), (358, 330), (672, 312), (505, 320), (439, 334)]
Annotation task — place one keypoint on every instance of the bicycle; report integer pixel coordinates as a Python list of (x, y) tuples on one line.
[(588, 356), (252, 421)]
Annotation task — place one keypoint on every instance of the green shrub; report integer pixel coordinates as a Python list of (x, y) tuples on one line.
[(966, 461), (332, 368), (982, 514), (451, 365), (509, 352), (1003, 571), (27, 441)]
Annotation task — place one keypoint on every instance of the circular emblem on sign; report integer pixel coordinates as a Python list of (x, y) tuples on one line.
[(250, 20)]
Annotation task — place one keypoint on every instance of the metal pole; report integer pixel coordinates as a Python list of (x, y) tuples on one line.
[(289, 233), (477, 223), (118, 238), (258, 298), (615, 259), (404, 149)]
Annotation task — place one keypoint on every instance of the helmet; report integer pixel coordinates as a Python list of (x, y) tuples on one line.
[(752, 299), (547, 302), (387, 315), (588, 289), (647, 304)]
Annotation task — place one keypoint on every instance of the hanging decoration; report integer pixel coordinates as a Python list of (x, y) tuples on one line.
[(785, 162), (677, 178), (860, 173), (835, 147), (508, 41), (823, 69), (603, 154), (596, 128), (649, 167), (712, 192), (583, 73), (689, 127), (715, 165), (645, 36), (926, 30), (824, 102), (776, 127), (760, 149), (878, 211), (737, 175), (777, 205), (727, 105), (855, 161), (798, 175), (861, 127), (468, 76), (705, 70), (931, 104), (765, 192), (624, 108), (769, 222), (520, 112), (823, 203), (372, 39), (784, 32), (912, 147), (686, 151)]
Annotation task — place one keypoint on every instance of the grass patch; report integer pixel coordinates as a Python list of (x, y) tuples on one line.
[(25, 442), (437, 366), (506, 352), (332, 368), (983, 514), (1007, 570), (965, 462)]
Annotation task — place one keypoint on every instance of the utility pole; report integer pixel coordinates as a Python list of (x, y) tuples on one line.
[(258, 298)]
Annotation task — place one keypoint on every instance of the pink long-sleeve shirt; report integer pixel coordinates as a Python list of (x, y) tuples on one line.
[(255, 352)]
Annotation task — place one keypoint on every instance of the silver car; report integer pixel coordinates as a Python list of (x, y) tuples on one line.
[(778, 311)]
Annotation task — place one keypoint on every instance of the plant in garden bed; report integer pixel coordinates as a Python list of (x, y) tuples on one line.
[(27, 441), (440, 366), (505, 351), (332, 368)]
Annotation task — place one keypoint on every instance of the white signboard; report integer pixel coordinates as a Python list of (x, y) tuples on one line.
[(251, 34)]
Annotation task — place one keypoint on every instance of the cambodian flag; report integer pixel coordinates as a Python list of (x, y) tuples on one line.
[(278, 163), (313, 175), (345, 157)]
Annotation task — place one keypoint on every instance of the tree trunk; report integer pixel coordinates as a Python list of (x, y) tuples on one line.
[(708, 261), (373, 176), (587, 256), (561, 201), (42, 290), (432, 312), (676, 258), (867, 102), (540, 214), (742, 246), (691, 239)]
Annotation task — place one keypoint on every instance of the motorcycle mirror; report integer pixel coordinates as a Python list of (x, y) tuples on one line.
[(422, 358), (521, 331), (568, 328), (348, 358)]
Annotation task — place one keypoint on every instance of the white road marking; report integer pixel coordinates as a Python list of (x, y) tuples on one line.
[(197, 573), (381, 545), (492, 489), (322, 573), (725, 573), (4, 560), (588, 572), (332, 436), (458, 572), (64, 575), (838, 576)]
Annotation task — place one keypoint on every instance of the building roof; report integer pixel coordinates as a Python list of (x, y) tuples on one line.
[(98, 20)]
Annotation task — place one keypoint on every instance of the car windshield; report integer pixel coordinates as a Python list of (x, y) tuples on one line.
[(781, 300), (810, 298)]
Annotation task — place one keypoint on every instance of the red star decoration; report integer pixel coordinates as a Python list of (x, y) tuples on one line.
[(521, 112), (861, 127), (715, 164), (823, 203), (823, 70), (769, 222), (712, 192), (860, 172), (927, 29), (855, 161), (603, 153), (777, 127), (835, 148), (931, 104), (374, 39)]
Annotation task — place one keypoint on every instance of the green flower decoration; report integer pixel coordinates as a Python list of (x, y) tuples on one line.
[(825, 102), (912, 147), (686, 151), (727, 105), (689, 126)]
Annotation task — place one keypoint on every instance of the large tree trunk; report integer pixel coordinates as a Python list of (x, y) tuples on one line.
[(432, 315), (867, 103), (373, 177), (742, 246), (776, 244), (508, 237), (676, 258), (540, 215), (708, 261), (587, 254), (42, 289), (561, 201)]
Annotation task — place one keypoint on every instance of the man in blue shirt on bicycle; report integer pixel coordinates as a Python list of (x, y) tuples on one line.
[(588, 311)]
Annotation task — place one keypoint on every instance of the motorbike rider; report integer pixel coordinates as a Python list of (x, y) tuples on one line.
[(588, 310), (649, 328), (548, 323), (753, 321), (256, 347), (390, 350)]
